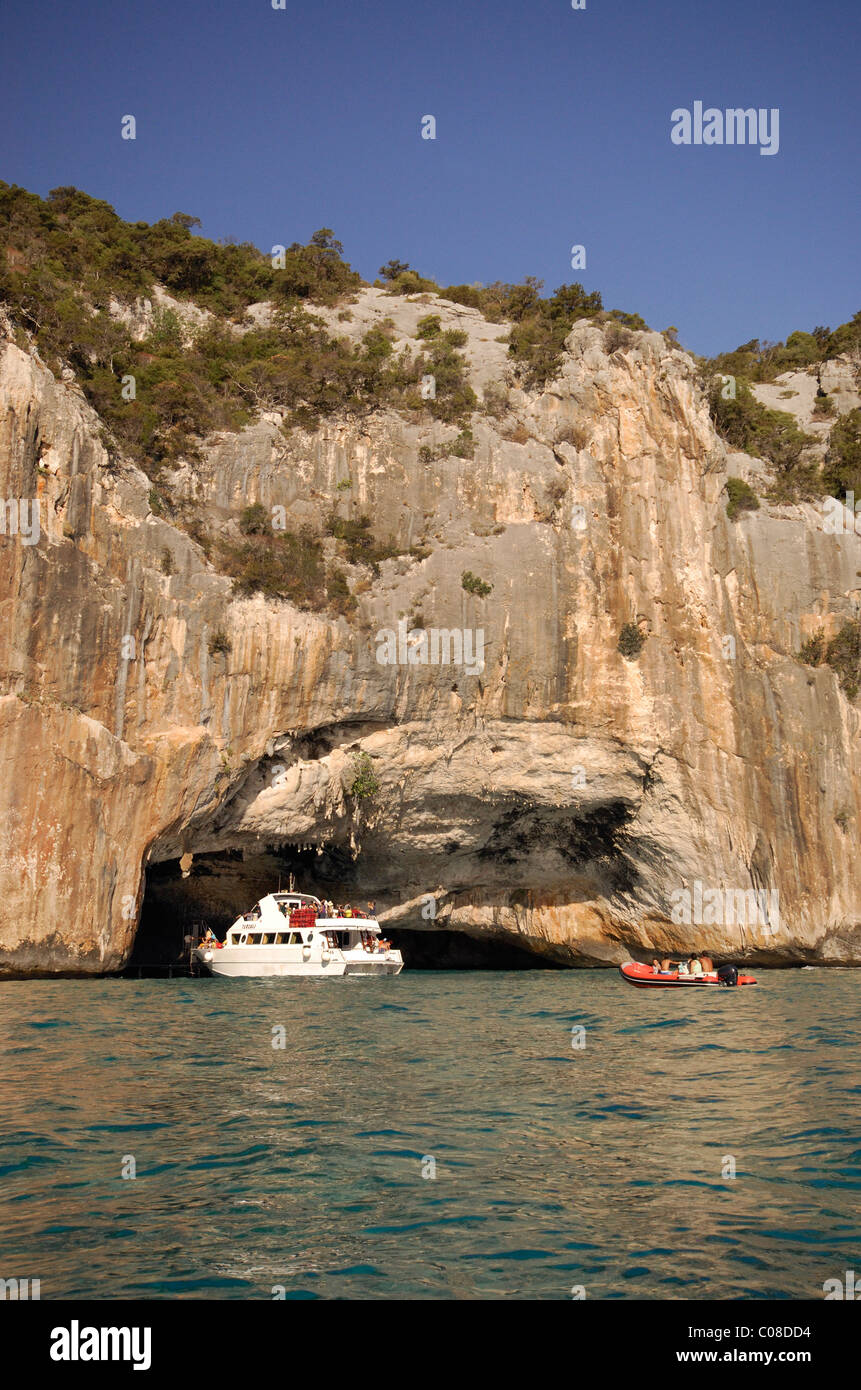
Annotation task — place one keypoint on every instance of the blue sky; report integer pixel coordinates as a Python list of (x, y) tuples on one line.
[(553, 129)]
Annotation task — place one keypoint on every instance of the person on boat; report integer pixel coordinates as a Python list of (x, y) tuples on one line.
[(348, 911), (694, 965), (683, 968), (666, 966), (372, 909), (707, 964)]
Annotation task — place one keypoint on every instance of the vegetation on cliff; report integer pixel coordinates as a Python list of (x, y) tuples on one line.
[(842, 470), (365, 783), (774, 435), (631, 641), (68, 263), (762, 361), (746, 424), (842, 653), (740, 498), (73, 274)]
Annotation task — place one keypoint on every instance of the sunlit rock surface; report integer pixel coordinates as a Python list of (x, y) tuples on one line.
[(555, 800)]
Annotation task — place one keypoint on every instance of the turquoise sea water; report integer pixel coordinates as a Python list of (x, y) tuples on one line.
[(556, 1166)]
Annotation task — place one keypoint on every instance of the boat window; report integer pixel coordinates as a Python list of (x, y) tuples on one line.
[(295, 939), (254, 939), (268, 939)]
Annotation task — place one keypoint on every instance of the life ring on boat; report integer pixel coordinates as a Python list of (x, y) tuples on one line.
[(243, 938)]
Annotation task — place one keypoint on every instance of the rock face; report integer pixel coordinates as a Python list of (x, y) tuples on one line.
[(560, 799)]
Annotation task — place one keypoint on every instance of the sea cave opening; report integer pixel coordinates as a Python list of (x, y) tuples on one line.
[(214, 888)]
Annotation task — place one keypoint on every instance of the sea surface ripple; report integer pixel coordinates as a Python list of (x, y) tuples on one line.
[(307, 1170)]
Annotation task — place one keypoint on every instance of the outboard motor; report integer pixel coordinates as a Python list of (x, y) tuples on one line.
[(728, 975)]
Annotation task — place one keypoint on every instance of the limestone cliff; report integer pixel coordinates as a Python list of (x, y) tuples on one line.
[(559, 797)]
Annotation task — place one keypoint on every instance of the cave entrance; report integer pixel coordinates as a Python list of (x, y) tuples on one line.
[(456, 950), (216, 887)]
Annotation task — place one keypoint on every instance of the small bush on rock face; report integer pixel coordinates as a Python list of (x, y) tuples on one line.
[(842, 654), (631, 641), (254, 520), (473, 585), (464, 446), (429, 327), (219, 643), (340, 599), (365, 782), (742, 498), (616, 337), (813, 650), (279, 565)]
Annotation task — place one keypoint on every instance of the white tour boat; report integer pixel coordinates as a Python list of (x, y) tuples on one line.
[(291, 934)]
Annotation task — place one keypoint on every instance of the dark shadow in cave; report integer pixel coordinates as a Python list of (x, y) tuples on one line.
[(456, 950), (221, 885)]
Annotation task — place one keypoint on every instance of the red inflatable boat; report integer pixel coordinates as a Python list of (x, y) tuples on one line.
[(644, 977)]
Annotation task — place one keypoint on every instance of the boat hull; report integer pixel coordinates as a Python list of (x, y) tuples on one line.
[(643, 977), (224, 963)]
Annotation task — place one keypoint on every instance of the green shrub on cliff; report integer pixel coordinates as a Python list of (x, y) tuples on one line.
[(764, 361), (341, 600), (254, 520), (813, 649), (842, 471), (741, 498), (752, 428), (541, 327), (631, 641), (358, 541), (365, 783), (473, 585), (279, 565), (842, 654)]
